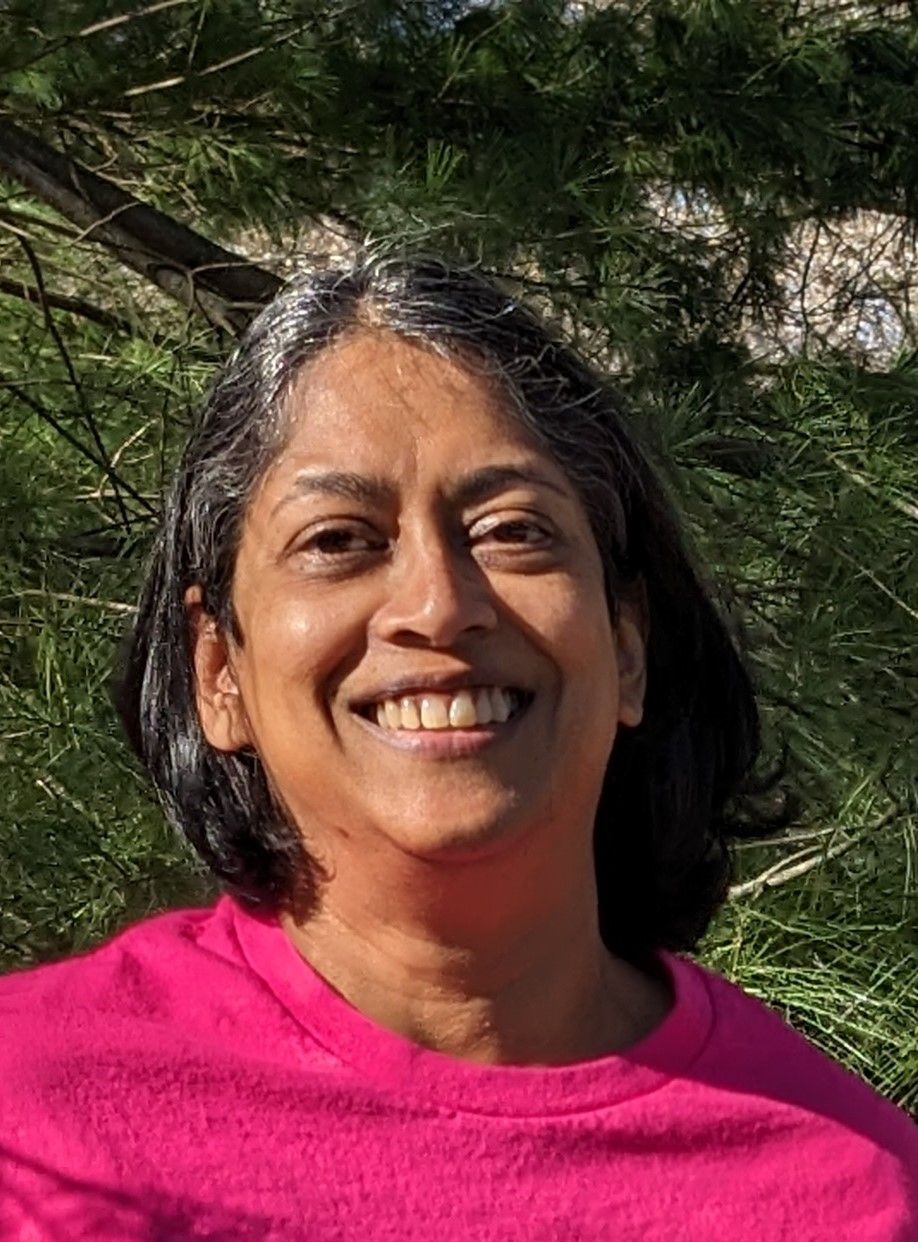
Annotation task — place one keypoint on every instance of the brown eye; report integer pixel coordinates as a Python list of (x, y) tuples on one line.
[(519, 531), (341, 541)]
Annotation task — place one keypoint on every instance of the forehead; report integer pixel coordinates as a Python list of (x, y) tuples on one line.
[(377, 401)]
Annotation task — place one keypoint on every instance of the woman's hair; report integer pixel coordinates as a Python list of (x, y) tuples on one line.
[(662, 864)]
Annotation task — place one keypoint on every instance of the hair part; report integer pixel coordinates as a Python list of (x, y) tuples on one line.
[(660, 838)]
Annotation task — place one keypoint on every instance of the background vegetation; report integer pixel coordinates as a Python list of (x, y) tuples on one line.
[(719, 201)]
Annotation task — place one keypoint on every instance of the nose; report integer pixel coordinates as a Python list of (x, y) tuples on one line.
[(436, 594)]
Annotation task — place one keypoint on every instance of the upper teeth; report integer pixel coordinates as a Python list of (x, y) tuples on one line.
[(446, 711)]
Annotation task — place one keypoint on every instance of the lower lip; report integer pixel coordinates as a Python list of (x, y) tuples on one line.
[(441, 743)]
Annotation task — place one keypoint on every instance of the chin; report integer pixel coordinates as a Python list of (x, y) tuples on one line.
[(472, 839)]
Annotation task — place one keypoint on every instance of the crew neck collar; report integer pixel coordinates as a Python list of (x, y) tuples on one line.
[(395, 1064)]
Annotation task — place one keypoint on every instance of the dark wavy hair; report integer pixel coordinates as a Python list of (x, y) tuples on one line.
[(662, 863)]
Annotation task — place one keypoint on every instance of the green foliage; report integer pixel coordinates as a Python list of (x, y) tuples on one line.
[(643, 172)]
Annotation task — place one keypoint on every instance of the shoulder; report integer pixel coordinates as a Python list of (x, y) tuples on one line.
[(80, 1037), (795, 1129), (770, 1069), (144, 976)]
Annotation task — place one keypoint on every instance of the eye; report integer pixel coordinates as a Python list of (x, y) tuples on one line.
[(341, 541), (522, 532)]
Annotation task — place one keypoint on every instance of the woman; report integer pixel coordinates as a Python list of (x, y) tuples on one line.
[(425, 675)]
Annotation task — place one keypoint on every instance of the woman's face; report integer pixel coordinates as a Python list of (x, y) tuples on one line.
[(414, 557)]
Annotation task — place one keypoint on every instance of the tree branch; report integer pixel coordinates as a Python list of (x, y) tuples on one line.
[(71, 372), (46, 416), (56, 45), (87, 601), (73, 306), (801, 862), (199, 274)]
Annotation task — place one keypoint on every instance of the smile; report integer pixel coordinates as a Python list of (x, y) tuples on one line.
[(464, 709)]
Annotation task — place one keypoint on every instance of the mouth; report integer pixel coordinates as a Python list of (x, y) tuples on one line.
[(472, 709)]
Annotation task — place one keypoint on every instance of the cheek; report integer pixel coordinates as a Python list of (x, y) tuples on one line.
[(573, 618), (578, 632), (567, 618), (290, 652)]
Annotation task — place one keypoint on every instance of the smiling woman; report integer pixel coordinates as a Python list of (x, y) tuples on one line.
[(423, 671), (544, 490), (451, 554)]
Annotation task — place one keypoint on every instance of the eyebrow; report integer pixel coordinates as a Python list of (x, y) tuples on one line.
[(345, 484), (476, 487), (491, 480)]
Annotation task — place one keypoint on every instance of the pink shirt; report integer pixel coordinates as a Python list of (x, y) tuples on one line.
[(194, 1078)]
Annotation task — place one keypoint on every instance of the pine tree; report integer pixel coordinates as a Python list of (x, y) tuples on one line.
[(717, 198)]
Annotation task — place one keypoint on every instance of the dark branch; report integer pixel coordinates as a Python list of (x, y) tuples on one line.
[(60, 301), (55, 335), (201, 275), (83, 449)]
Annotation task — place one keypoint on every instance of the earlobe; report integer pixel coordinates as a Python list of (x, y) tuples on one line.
[(219, 703), (631, 645)]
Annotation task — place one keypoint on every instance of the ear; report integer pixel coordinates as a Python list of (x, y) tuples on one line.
[(631, 648), (219, 703)]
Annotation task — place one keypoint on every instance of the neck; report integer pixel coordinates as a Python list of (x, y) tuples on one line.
[(503, 990)]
